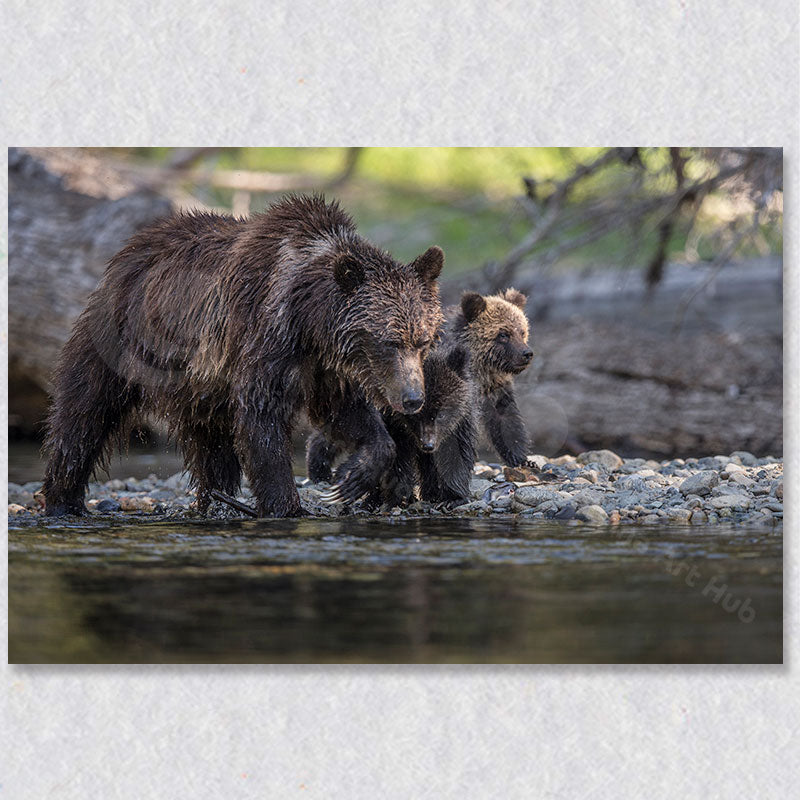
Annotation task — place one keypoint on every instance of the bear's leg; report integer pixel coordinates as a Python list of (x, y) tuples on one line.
[(454, 461), (320, 455), (373, 456), (430, 488), (263, 437), (397, 484), (505, 427), (90, 403), (211, 459), (402, 476)]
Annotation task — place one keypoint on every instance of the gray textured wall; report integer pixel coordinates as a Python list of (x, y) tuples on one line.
[(469, 73)]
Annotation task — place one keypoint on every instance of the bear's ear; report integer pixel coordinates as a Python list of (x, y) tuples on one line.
[(429, 264), (472, 304), (515, 297), (458, 359), (348, 272)]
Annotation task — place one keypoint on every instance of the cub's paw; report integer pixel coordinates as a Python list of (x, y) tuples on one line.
[(355, 481)]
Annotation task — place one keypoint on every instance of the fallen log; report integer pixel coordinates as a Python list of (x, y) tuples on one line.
[(59, 242)]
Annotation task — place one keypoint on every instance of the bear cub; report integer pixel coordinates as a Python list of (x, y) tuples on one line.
[(434, 448), (495, 331)]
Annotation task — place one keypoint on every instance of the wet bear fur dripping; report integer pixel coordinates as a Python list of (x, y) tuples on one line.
[(226, 328), (495, 331), (434, 448)]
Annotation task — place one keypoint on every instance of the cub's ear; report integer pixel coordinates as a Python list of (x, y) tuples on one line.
[(515, 297), (458, 360), (348, 272), (429, 264), (472, 304)]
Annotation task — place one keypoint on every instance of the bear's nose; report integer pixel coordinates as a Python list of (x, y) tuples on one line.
[(427, 446), (412, 401), (527, 355)]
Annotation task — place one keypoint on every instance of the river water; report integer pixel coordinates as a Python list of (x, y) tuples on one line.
[(377, 590)]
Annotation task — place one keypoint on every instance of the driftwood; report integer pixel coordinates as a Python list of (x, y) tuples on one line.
[(59, 243), (234, 503)]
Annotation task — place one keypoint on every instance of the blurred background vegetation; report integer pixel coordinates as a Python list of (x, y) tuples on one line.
[(479, 203)]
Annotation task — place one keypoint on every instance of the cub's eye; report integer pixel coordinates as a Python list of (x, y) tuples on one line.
[(423, 343), (503, 336), (393, 344)]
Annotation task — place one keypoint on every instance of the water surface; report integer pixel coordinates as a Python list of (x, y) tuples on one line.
[(377, 590)]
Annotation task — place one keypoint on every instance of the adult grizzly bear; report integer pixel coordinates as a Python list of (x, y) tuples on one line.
[(495, 331), (435, 447), (226, 328)]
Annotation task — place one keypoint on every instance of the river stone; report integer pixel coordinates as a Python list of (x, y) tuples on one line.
[(744, 458), (593, 514), (519, 475), (605, 458), (730, 501), (631, 483), (699, 517), (137, 503), (702, 483), (537, 461), (478, 487), (742, 480), (679, 514), (502, 503), (731, 467), (729, 488), (16, 508), (180, 480), (587, 497), (471, 508), (106, 506), (19, 496), (534, 495), (776, 488), (568, 512)]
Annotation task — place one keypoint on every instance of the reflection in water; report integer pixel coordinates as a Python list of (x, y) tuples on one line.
[(419, 590)]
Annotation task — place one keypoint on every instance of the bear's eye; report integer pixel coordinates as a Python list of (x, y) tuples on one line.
[(503, 336), (422, 344), (392, 344)]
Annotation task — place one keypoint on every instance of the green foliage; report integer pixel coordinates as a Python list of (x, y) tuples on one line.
[(465, 199)]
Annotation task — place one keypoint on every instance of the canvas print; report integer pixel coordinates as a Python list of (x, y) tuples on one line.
[(395, 405)]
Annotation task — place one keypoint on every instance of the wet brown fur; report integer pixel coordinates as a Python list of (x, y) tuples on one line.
[(226, 328), (435, 448), (495, 330)]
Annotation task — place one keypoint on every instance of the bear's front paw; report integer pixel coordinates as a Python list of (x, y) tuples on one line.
[(358, 481), (289, 507)]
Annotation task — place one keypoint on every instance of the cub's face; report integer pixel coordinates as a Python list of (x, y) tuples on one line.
[(497, 331), (393, 319), (447, 399)]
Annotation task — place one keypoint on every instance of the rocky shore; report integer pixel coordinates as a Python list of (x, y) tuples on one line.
[(596, 488)]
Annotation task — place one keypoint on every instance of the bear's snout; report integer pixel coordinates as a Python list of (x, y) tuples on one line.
[(428, 439), (406, 392), (412, 400)]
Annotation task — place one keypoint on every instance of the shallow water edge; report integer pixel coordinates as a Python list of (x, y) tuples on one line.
[(420, 590)]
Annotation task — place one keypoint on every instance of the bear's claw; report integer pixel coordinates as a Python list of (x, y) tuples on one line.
[(338, 494)]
